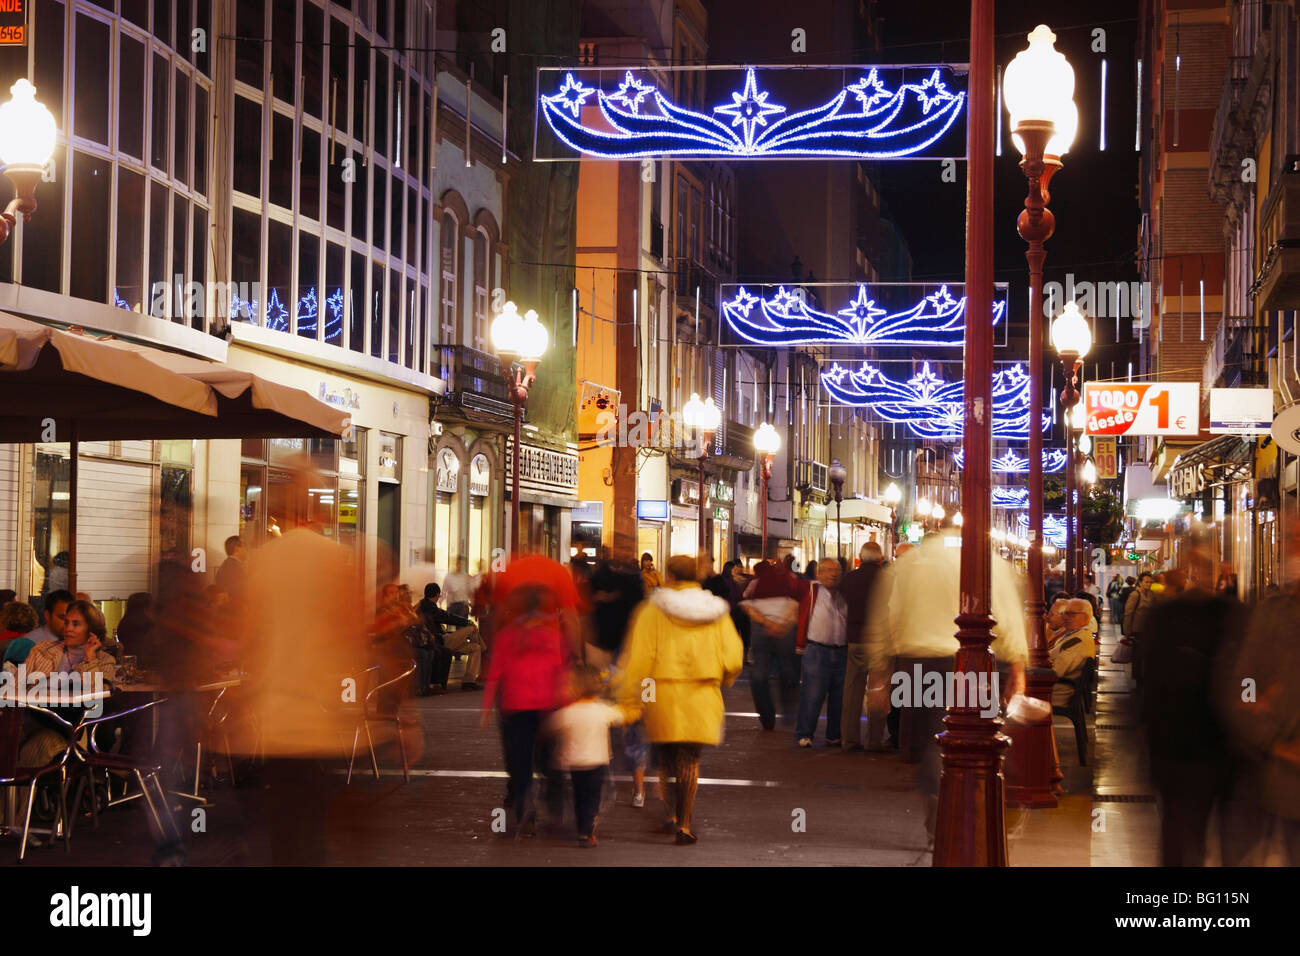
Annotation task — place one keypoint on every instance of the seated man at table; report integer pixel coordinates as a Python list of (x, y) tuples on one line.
[(56, 607), (1069, 653), (464, 637)]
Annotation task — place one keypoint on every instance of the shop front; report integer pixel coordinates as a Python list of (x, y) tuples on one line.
[(857, 522), (548, 493), (684, 525), (722, 501), (810, 531), (466, 512), (1215, 484)]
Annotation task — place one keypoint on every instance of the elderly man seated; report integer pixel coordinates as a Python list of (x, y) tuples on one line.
[(1072, 649)]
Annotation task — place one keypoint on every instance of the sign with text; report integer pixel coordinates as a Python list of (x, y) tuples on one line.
[(13, 22), (1152, 408), (1241, 411), (1105, 457)]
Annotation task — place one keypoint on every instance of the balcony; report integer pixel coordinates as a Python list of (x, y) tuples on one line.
[(1277, 285), (691, 276), (474, 381), (1232, 359), (810, 475)]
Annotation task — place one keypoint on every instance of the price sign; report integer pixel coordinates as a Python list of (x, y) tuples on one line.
[(13, 22), (1156, 408), (1106, 458)]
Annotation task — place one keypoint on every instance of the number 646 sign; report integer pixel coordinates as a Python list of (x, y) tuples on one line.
[(1120, 408)]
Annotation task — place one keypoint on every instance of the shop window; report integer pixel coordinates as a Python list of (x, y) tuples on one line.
[(360, 198), (200, 140), (181, 132), (199, 262), (130, 240), (130, 97), (180, 233), (279, 274), (307, 311), (376, 309), (332, 307), (309, 175), (92, 79), (159, 145), (252, 504), (158, 280), (284, 27), (280, 184), (248, 147), (313, 36), (245, 265), (357, 304), (175, 511)]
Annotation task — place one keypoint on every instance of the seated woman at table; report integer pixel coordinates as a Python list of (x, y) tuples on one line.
[(16, 621), (81, 650)]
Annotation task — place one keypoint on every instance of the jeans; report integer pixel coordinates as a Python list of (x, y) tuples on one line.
[(519, 736), (823, 676), (774, 656)]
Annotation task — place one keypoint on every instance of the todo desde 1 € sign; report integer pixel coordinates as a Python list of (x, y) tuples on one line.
[(1120, 408)]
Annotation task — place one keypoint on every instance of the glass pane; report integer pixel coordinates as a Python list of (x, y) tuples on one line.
[(250, 27), (285, 450), (245, 265), (334, 293), (379, 120), (309, 175), (43, 236), (159, 151), (181, 135), (357, 304), (49, 58), (199, 262), (279, 274), (376, 309), (92, 84), (409, 334), (395, 218), (280, 188), (379, 227), (381, 19), (307, 312), (313, 39), (201, 120), (248, 147), (412, 210), (394, 317), (130, 95), (252, 506), (159, 282), (412, 144), (130, 240), (180, 232), (284, 26), (162, 21), (184, 40), (253, 448), (338, 54), (90, 191), (336, 190), (137, 11), (324, 454), (351, 533), (50, 519), (175, 512), (360, 198), (361, 87), (203, 21)]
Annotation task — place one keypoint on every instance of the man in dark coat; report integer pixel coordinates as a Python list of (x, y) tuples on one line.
[(616, 589), (856, 588)]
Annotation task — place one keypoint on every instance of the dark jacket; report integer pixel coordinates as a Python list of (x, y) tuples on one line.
[(437, 620), (612, 615), (856, 588)]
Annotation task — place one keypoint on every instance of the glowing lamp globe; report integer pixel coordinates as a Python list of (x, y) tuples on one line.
[(767, 440), (507, 330), (923, 506), (958, 520), (27, 129), (533, 338), (710, 418), (892, 495), (692, 410), (1038, 88), (1085, 444), (1078, 417), (1071, 334), (938, 513), (1089, 472)]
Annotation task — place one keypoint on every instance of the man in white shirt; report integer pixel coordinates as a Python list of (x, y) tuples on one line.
[(1072, 650), (458, 589), (822, 639)]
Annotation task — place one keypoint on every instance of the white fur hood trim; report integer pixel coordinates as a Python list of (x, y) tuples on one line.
[(689, 605)]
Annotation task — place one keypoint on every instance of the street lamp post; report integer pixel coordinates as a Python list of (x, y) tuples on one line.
[(523, 341), (1072, 338), (1038, 89), (837, 474), (705, 418), (767, 442)]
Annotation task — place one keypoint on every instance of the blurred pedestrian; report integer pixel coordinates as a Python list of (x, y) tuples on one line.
[(772, 603), (231, 575), (581, 732), (857, 587), (682, 650), (1113, 599), (648, 572), (822, 641), (1136, 609), (458, 588)]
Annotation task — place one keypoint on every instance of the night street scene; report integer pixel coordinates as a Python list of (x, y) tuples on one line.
[(679, 433)]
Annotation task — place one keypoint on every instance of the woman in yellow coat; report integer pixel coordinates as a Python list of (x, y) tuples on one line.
[(682, 649)]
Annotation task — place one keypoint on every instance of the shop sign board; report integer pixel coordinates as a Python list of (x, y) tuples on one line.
[(1105, 457), (1241, 411), (13, 23), (652, 509), (447, 471), (1147, 408), (544, 469), (480, 476)]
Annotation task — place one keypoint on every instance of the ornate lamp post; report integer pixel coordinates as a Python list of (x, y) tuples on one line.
[(27, 134), (767, 442), (522, 341), (705, 418), (1038, 87), (837, 474), (1072, 338)]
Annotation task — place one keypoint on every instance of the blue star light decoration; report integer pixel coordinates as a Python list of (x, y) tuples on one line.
[(1012, 464), (786, 318), (1053, 528), (930, 407), (873, 118), (1010, 497)]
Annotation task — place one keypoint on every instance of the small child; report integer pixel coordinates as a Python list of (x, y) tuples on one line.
[(582, 747)]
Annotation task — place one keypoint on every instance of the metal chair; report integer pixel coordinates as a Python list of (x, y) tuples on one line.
[(372, 715), (1076, 709), (144, 772), (12, 775)]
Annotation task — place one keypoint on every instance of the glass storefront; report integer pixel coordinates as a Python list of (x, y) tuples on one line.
[(269, 503)]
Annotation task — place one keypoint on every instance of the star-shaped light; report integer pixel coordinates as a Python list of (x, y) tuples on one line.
[(861, 311), (869, 89), (941, 300), (924, 382), (1013, 377), (837, 372), (572, 94), (785, 301), (631, 92), (749, 108), (932, 91), (744, 301), (335, 303)]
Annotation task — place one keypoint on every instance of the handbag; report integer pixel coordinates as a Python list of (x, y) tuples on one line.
[(1124, 652)]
